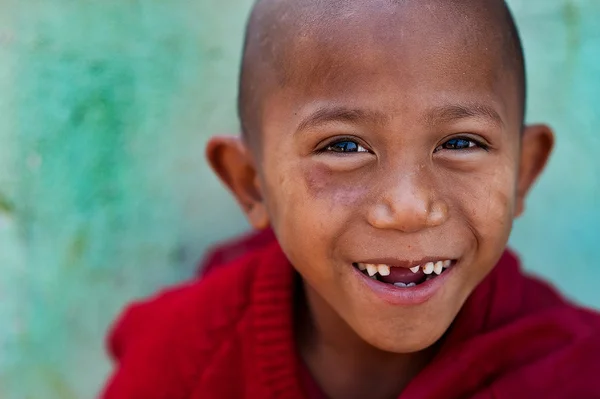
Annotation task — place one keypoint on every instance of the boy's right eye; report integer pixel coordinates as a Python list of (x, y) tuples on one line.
[(345, 146)]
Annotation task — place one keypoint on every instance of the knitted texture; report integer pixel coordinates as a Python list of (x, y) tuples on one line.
[(229, 335)]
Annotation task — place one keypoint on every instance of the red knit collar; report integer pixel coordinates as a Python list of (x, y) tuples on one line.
[(277, 359)]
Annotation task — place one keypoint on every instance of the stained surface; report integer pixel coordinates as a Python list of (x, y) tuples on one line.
[(105, 195)]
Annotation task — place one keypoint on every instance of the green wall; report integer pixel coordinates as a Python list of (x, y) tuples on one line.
[(105, 196)]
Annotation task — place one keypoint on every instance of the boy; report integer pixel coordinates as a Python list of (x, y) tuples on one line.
[(383, 142)]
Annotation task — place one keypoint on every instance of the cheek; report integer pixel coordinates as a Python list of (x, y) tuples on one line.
[(332, 190), (486, 202), (327, 199), (311, 206)]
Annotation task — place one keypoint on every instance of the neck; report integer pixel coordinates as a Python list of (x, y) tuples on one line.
[(341, 362)]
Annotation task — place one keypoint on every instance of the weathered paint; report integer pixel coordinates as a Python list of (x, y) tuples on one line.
[(105, 196)]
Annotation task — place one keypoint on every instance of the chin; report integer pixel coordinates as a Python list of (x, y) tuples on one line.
[(412, 346), (404, 340)]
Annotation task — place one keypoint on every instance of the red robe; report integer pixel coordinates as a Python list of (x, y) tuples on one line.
[(229, 335)]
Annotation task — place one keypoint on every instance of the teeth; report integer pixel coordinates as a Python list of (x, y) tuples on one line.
[(404, 285), (384, 270), (438, 267), (428, 269), (371, 269)]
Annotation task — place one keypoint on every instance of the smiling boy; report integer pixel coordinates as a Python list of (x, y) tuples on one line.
[(384, 144)]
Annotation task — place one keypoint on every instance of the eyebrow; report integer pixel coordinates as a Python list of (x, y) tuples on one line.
[(328, 114), (451, 113)]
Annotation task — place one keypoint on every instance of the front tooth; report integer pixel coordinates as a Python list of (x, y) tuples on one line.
[(415, 269), (438, 267), (447, 263), (371, 269), (362, 267), (411, 285), (428, 269), (384, 270), (399, 284)]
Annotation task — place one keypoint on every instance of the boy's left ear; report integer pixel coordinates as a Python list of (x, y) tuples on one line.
[(536, 146), (232, 162)]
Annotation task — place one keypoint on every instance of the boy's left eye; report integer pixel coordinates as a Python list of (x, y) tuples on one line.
[(459, 143)]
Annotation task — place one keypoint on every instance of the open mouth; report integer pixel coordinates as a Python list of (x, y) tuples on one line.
[(403, 277)]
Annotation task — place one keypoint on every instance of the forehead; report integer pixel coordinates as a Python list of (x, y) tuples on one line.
[(399, 59)]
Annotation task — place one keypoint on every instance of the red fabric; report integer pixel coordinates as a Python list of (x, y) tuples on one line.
[(229, 251), (229, 335)]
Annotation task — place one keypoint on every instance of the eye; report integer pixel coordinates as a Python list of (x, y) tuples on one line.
[(345, 146), (460, 143)]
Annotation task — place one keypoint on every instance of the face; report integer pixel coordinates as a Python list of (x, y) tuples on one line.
[(408, 153)]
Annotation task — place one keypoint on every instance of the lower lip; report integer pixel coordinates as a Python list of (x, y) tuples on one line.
[(411, 296)]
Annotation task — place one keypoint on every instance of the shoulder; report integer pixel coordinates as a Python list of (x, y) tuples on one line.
[(164, 344), (186, 306), (552, 343), (559, 359)]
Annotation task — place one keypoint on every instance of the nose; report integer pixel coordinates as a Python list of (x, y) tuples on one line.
[(409, 204)]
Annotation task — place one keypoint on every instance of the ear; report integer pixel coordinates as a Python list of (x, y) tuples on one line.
[(232, 162), (536, 146)]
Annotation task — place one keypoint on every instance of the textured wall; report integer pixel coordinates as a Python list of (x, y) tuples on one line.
[(104, 194)]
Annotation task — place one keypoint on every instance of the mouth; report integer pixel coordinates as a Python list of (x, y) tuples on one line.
[(405, 276)]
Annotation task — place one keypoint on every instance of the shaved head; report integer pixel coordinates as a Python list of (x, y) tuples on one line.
[(283, 33)]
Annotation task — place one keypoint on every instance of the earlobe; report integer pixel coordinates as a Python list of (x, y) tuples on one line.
[(536, 147), (232, 162)]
